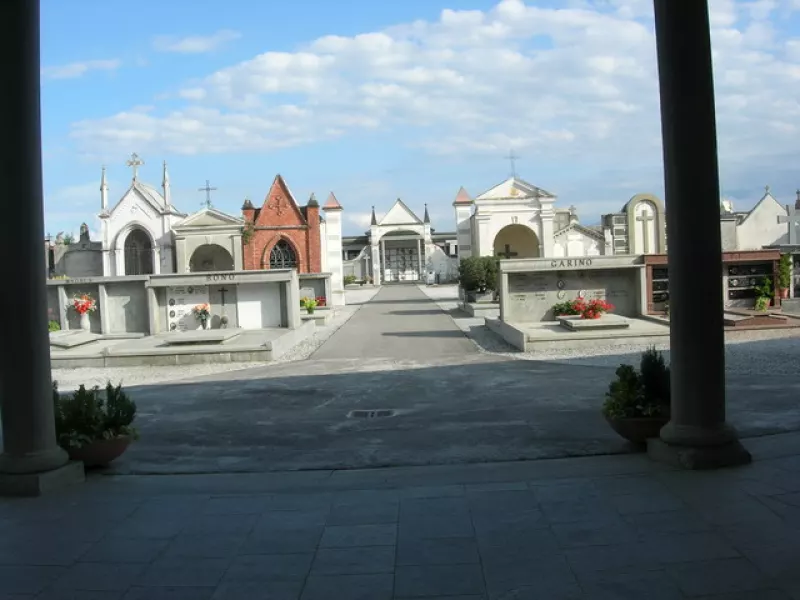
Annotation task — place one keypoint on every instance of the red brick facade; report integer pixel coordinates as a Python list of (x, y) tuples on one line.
[(280, 218)]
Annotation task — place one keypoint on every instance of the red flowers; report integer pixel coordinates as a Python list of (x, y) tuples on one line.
[(320, 301), (593, 309), (83, 304)]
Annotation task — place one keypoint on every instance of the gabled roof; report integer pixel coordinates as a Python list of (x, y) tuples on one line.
[(150, 196), (209, 217), (587, 231), (513, 187), (332, 203), (278, 199), (462, 197), (765, 199), (400, 214)]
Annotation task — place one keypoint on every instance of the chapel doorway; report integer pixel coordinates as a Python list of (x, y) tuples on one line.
[(402, 256), (210, 257), (138, 253), (516, 241)]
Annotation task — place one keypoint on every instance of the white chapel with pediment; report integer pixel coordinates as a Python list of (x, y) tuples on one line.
[(512, 219), (137, 236)]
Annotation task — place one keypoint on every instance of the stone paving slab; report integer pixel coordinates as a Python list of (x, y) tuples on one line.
[(581, 529)]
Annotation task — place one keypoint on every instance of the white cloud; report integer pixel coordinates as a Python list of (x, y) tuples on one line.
[(79, 69), (574, 85), (360, 219), (195, 44)]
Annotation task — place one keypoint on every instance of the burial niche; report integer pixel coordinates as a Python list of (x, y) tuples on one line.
[(282, 256), (210, 257), (138, 253), (516, 241)]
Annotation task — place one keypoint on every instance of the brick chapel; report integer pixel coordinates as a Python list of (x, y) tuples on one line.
[(282, 234)]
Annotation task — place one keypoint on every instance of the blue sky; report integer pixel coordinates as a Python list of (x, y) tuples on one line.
[(410, 99)]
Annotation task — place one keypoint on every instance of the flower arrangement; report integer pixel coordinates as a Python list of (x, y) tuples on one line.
[(309, 304), (84, 304), (202, 312), (592, 309)]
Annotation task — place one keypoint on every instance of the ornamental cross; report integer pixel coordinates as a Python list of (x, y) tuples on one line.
[(208, 189), (135, 162), (793, 221), (513, 159), (508, 253), (276, 204), (645, 219)]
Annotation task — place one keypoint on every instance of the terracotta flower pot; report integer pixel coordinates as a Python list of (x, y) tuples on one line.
[(637, 430), (100, 452)]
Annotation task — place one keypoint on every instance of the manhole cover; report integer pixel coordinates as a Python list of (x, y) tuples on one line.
[(371, 414)]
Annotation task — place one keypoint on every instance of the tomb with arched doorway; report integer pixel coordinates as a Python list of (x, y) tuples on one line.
[(209, 240), (138, 252), (516, 241)]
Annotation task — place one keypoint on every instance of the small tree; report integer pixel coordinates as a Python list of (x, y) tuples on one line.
[(478, 273), (785, 272)]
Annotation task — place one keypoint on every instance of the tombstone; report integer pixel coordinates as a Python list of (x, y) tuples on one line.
[(430, 278)]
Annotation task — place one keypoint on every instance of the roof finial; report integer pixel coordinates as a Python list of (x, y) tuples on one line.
[(797, 202), (427, 218), (766, 188), (513, 158), (135, 162), (374, 221)]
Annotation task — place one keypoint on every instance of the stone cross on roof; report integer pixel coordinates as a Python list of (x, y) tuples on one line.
[(135, 162), (793, 221)]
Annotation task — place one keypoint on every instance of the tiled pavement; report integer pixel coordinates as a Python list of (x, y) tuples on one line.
[(595, 528)]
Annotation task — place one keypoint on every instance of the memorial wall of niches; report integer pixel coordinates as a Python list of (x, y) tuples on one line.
[(532, 295)]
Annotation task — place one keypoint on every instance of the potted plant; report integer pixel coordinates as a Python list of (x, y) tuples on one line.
[(637, 404), (94, 426), (53, 325), (83, 304), (784, 275), (309, 304), (202, 313), (763, 295)]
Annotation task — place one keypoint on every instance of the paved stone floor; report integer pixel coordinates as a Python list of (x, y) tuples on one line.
[(401, 351), (400, 322), (598, 528)]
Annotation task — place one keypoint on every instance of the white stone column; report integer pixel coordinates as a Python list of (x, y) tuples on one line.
[(32, 462), (102, 302), (376, 265), (383, 260), (152, 310), (293, 313), (62, 307), (419, 261)]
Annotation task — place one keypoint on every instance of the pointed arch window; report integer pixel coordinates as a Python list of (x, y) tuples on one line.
[(282, 256)]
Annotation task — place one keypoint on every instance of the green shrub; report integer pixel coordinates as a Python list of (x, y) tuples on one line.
[(478, 273), (645, 393), (53, 326), (349, 279), (785, 272), (86, 416), (565, 309)]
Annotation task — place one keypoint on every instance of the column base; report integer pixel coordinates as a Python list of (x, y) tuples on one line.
[(699, 457), (36, 484)]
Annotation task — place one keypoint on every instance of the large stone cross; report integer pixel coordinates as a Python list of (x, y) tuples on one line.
[(135, 162), (508, 253), (645, 218), (793, 221)]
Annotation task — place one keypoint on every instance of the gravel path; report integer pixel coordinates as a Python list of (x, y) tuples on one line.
[(757, 352), (69, 379)]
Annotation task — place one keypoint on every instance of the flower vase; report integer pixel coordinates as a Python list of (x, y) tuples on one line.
[(310, 310), (86, 325), (207, 324)]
